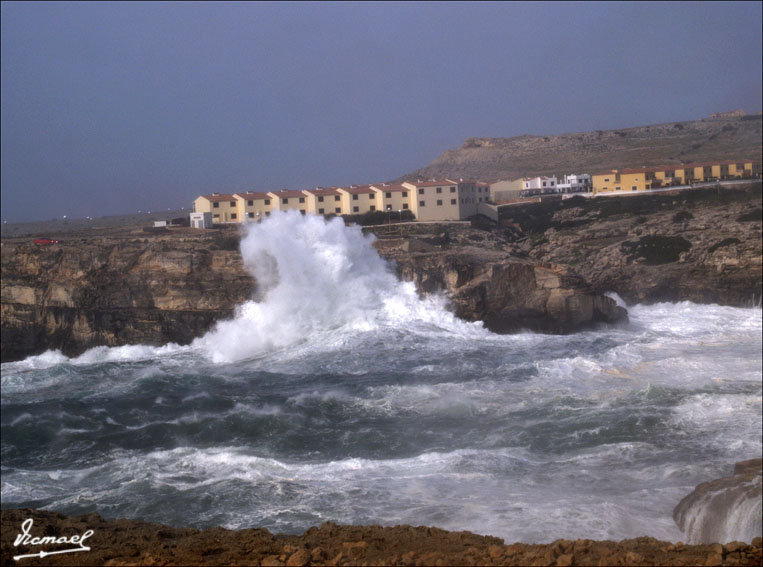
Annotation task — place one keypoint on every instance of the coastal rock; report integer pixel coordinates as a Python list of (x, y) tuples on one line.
[(700, 245), (88, 292), (106, 290), (507, 294), (128, 542), (726, 508)]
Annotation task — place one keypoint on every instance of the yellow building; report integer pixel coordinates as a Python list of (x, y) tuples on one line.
[(224, 207), (358, 199), (285, 200), (324, 201), (628, 180), (393, 197), (438, 199), (253, 205)]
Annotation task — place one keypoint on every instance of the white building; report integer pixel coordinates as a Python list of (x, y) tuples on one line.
[(538, 185), (575, 184), (201, 220)]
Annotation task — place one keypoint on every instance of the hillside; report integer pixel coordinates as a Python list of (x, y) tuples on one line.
[(588, 152)]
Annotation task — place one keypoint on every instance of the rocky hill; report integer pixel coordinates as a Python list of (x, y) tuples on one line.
[(588, 152)]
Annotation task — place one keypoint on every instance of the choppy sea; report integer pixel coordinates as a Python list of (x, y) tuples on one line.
[(337, 394)]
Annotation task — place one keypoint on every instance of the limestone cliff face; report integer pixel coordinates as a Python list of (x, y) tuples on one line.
[(700, 245), (90, 292), (507, 294), (105, 291)]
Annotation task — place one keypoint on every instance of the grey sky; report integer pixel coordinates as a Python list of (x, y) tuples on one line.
[(108, 108)]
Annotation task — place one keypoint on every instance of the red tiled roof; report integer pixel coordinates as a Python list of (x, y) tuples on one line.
[(392, 188), (287, 193), (357, 189), (219, 197), (433, 183), (322, 192), (253, 195)]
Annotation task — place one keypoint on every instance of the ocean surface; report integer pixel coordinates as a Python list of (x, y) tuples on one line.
[(339, 395)]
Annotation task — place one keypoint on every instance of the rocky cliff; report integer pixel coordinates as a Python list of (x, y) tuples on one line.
[(701, 245), (726, 508), (587, 152), (544, 267), (507, 294), (87, 292)]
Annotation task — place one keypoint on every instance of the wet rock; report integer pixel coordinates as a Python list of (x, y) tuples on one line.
[(724, 509)]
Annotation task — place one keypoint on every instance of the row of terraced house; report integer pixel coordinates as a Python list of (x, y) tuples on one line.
[(448, 199), (642, 179), (432, 200)]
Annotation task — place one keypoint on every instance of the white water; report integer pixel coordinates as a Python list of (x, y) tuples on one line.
[(338, 394)]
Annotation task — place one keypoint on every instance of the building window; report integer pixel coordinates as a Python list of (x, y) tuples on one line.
[(267, 201), (302, 211), (216, 205), (216, 216), (405, 193), (301, 199), (233, 216), (439, 202), (250, 215), (355, 209), (452, 189), (355, 197), (372, 208), (388, 195), (250, 203), (421, 191), (233, 203), (267, 213), (453, 202), (606, 180), (285, 200), (337, 210), (405, 206), (544, 183), (370, 195), (617, 188), (439, 189), (422, 204), (389, 207), (634, 188), (336, 197), (320, 211), (320, 199)]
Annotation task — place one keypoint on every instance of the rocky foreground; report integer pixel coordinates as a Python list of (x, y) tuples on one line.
[(127, 542)]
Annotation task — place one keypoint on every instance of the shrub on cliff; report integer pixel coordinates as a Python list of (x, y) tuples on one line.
[(723, 243), (682, 216), (657, 250)]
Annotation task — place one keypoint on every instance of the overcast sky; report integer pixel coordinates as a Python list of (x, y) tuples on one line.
[(114, 108)]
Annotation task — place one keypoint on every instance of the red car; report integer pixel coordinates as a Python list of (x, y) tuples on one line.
[(46, 241)]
